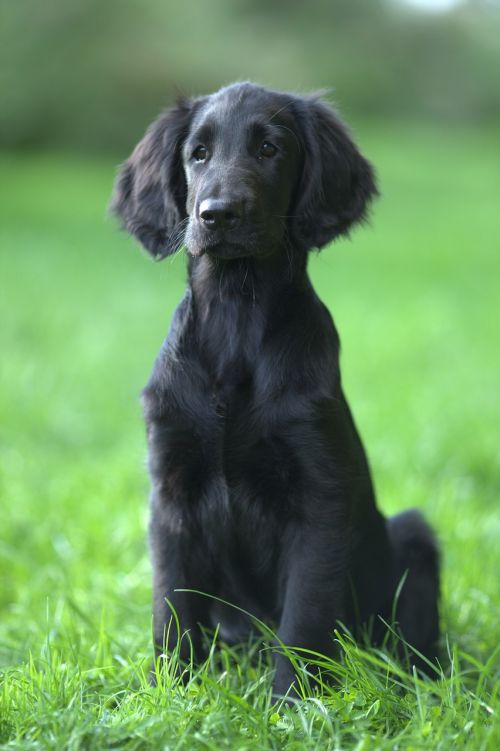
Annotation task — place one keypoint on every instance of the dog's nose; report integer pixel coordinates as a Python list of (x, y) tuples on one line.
[(219, 213)]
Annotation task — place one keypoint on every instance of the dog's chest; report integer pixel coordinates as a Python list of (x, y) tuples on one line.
[(256, 459), (224, 425)]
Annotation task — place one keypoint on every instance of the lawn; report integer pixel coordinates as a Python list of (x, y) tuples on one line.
[(416, 298)]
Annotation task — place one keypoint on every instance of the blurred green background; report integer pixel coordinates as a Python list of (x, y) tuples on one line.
[(415, 295), (90, 74)]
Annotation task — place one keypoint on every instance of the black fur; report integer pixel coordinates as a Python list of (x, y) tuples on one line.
[(261, 489)]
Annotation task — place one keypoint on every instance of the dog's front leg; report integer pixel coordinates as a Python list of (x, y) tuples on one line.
[(177, 615), (179, 554), (316, 579)]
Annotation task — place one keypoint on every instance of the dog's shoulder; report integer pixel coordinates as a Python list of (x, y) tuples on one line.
[(172, 356)]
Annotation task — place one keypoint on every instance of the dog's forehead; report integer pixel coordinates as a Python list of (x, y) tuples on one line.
[(237, 105)]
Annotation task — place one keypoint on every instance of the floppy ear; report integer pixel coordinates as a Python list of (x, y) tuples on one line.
[(150, 190), (337, 182)]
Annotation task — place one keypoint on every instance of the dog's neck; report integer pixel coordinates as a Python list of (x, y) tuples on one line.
[(252, 280), (237, 301)]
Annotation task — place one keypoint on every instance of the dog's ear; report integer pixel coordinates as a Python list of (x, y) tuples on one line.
[(150, 190), (337, 182)]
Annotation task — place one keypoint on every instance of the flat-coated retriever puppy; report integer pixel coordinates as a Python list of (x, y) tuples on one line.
[(262, 494)]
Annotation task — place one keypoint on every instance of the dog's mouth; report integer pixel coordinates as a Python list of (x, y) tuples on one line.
[(223, 245), (222, 252), (245, 242)]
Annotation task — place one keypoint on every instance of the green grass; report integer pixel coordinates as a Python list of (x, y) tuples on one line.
[(416, 299)]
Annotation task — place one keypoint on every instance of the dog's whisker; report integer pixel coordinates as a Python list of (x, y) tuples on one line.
[(176, 237), (287, 104), (297, 139)]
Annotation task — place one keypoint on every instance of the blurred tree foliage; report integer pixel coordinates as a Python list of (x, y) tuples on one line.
[(91, 73)]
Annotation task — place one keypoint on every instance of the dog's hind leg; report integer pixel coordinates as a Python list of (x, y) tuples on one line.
[(416, 570)]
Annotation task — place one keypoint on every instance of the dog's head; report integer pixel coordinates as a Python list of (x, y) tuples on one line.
[(240, 173)]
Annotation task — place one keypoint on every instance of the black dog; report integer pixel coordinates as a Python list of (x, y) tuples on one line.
[(261, 489)]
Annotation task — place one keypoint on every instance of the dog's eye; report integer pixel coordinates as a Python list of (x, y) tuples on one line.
[(267, 149), (200, 153)]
